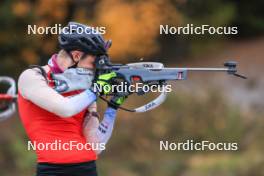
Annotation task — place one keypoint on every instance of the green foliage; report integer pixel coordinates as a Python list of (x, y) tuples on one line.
[(18, 49)]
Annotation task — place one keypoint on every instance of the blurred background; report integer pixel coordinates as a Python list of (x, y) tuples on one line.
[(212, 107)]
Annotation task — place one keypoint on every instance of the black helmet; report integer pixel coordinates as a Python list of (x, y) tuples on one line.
[(78, 36)]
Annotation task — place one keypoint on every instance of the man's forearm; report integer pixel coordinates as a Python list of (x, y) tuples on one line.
[(33, 87), (96, 132)]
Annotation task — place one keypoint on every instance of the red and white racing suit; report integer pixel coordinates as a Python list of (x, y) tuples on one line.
[(48, 116)]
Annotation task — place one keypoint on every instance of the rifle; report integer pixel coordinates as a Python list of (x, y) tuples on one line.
[(153, 73), (148, 73)]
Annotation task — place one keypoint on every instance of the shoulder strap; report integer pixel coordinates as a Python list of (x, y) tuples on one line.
[(42, 71)]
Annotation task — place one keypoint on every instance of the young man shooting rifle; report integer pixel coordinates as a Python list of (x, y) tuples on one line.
[(49, 114)]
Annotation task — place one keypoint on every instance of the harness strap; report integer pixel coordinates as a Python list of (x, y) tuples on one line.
[(41, 69)]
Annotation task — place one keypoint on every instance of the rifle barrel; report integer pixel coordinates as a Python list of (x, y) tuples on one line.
[(207, 69), (195, 69)]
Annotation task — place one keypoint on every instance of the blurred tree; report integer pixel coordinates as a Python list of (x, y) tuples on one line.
[(249, 17), (133, 26)]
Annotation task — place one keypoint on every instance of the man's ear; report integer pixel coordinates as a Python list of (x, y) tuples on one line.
[(76, 55)]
